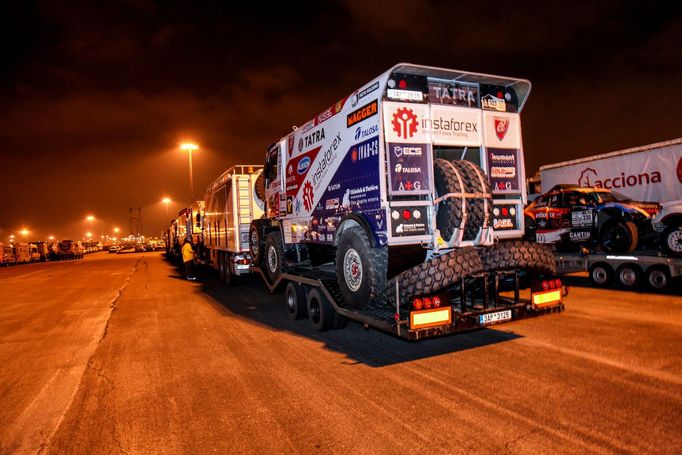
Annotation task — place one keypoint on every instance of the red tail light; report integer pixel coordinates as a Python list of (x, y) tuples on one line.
[(418, 304), (436, 302), (427, 303), (557, 283), (406, 214), (545, 286)]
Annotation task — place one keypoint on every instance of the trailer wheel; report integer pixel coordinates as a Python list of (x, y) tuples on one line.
[(256, 245), (619, 237), (320, 311), (658, 277), (360, 269), (629, 275), (601, 274), (274, 255), (296, 301), (434, 274), (671, 239), (226, 275)]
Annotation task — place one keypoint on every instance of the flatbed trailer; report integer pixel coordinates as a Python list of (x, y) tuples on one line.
[(628, 270), (469, 307)]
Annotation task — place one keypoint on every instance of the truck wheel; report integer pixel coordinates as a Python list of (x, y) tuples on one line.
[(671, 239), (629, 275), (274, 255), (658, 277), (320, 311), (449, 211), (255, 245), (518, 254), (619, 237), (259, 187), (601, 274), (226, 275), (360, 269), (475, 182), (434, 274), (296, 301)]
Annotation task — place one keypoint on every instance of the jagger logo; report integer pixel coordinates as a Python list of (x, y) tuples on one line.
[(311, 139), (362, 113), (501, 127), (405, 122)]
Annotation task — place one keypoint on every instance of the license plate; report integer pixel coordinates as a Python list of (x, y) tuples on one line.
[(491, 318)]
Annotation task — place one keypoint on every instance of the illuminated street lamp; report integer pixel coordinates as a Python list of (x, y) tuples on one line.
[(166, 201), (189, 147), (88, 235), (24, 232), (11, 238), (51, 237)]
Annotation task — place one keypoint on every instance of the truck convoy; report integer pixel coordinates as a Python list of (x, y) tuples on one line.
[(401, 206), (650, 173)]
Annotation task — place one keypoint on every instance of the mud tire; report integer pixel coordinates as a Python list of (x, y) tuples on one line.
[(619, 237), (475, 181), (519, 254)]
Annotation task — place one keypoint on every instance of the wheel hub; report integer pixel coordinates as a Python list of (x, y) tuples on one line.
[(675, 241), (599, 275), (352, 269), (628, 277), (272, 259)]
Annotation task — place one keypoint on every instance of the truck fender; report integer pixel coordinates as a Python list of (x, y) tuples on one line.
[(355, 219)]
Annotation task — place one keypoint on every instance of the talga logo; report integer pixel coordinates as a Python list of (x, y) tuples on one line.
[(303, 165), (360, 133)]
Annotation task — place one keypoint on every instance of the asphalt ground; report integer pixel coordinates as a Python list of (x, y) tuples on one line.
[(119, 354)]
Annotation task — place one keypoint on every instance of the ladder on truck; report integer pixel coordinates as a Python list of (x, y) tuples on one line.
[(244, 210)]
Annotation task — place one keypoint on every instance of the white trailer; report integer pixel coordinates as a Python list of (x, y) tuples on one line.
[(648, 173), (231, 204)]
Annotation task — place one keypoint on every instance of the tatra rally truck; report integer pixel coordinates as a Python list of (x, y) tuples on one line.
[(401, 207)]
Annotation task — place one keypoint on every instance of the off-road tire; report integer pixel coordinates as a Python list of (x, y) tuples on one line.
[(374, 264), (256, 245), (434, 274), (320, 311), (259, 187), (518, 254), (626, 237), (273, 259), (671, 240), (475, 181), (449, 211), (297, 305)]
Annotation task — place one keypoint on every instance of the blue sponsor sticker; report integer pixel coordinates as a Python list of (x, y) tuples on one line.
[(303, 165)]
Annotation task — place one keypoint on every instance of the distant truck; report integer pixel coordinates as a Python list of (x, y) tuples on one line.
[(401, 207), (188, 225), (70, 249), (647, 173), (231, 204), (22, 252)]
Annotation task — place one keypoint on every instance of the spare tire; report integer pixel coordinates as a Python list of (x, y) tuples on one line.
[(259, 187), (434, 274), (478, 209), (449, 211), (518, 254)]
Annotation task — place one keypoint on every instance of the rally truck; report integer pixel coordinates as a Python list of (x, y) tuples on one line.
[(401, 207), (187, 226), (231, 204)]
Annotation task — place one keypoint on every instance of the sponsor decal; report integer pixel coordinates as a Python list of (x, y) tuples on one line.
[(308, 196), (290, 205), (501, 127), (582, 218), (357, 96), (290, 144), (409, 221), (362, 113), (454, 125), (581, 235), (360, 133), (364, 150), (405, 123), (456, 94), (404, 95), (303, 165), (590, 177), (334, 187), (504, 217), (408, 168), (493, 103), (503, 170), (332, 204), (310, 139), (327, 157)]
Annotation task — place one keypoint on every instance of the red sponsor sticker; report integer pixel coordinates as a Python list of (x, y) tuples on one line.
[(501, 127)]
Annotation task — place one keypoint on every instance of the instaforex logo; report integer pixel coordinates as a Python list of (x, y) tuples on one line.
[(590, 177)]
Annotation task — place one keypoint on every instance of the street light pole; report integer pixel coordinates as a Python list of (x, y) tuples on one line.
[(189, 147)]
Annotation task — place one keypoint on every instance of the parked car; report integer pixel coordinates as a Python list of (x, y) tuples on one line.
[(113, 248), (571, 216)]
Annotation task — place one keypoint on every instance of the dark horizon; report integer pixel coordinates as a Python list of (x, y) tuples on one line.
[(97, 98)]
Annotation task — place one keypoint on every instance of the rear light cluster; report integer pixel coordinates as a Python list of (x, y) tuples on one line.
[(243, 261), (548, 285), (426, 303)]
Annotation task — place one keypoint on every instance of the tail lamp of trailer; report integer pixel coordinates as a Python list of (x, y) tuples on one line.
[(243, 261), (547, 293), (429, 311)]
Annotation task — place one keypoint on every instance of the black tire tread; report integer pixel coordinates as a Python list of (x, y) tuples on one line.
[(518, 254)]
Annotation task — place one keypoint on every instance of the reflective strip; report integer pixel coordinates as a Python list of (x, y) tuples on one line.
[(547, 298), (430, 318)]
